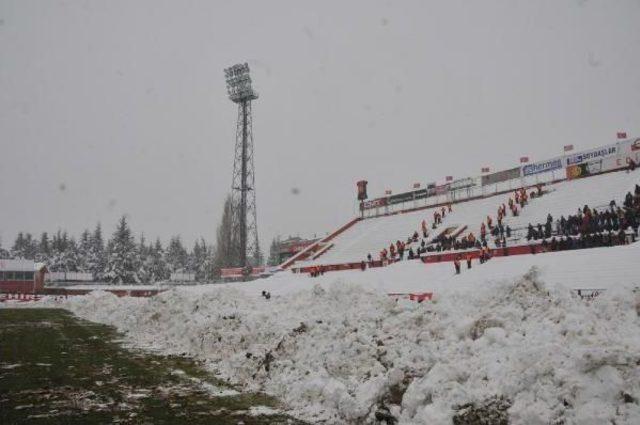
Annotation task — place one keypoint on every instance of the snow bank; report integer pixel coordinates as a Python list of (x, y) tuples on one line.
[(516, 349)]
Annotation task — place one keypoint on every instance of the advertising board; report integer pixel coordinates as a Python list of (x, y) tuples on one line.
[(374, 203), (589, 155), (501, 176), (542, 166), (584, 169), (400, 197), (462, 183)]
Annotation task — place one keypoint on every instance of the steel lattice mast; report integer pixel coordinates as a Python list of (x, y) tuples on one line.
[(245, 226)]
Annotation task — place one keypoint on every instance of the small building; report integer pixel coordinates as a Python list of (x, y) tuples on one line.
[(21, 276)]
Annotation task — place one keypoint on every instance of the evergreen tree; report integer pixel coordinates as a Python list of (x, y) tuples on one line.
[(4, 254), (17, 251), (227, 254), (122, 256), (258, 256), (59, 245), (176, 256), (144, 261), (158, 267), (96, 259), (72, 256), (30, 247), (84, 251), (208, 263), (274, 258), (200, 260), (44, 248)]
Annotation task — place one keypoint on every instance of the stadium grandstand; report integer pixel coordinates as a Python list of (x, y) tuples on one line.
[(492, 211)]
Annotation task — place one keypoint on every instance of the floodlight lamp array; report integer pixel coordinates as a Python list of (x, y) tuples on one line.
[(239, 83)]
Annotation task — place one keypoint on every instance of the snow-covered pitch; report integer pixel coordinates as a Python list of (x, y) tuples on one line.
[(511, 333)]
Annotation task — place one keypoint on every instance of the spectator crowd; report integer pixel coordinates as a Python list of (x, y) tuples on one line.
[(587, 228)]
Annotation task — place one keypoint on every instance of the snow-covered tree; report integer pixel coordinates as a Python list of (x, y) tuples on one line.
[(274, 259), (44, 248), (158, 267), (24, 246), (72, 256), (209, 263), (4, 254), (176, 255), (201, 260), (258, 256), (226, 254), (64, 255), (96, 258), (122, 256), (144, 261), (18, 246), (84, 251)]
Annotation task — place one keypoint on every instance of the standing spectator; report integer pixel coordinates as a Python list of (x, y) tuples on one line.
[(456, 264)]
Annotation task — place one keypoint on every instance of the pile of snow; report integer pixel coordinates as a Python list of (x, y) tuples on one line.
[(344, 352)]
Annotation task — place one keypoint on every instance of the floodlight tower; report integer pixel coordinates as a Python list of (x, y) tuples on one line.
[(245, 225)]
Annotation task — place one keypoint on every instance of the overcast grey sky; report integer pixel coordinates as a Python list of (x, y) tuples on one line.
[(119, 107)]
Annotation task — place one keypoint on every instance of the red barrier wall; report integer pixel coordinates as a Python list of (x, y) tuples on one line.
[(19, 287)]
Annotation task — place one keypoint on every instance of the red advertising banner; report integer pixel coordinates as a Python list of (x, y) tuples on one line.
[(374, 203), (236, 272)]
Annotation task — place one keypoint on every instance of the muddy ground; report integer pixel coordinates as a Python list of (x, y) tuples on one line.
[(58, 369)]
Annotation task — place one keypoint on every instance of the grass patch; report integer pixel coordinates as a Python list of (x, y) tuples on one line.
[(58, 369)]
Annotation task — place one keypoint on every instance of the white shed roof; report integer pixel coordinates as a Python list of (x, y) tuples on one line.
[(17, 265)]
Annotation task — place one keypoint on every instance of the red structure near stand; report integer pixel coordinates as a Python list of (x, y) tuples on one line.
[(21, 277)]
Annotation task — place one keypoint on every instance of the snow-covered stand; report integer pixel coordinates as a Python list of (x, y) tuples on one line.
[(564, 193)]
